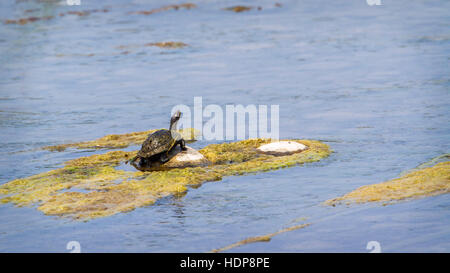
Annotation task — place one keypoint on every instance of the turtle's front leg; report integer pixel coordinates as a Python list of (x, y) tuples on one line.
[(131, 161), (164, 157), (182, 144)]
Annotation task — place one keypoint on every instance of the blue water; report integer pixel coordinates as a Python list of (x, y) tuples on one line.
[(371, 81)]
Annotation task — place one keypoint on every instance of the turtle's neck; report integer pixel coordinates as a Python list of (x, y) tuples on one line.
[(173, 125)]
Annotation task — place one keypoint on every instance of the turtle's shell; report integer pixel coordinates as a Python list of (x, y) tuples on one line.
[(158, 142)]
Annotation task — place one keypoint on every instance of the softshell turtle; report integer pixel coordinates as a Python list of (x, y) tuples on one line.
[(158, 144)]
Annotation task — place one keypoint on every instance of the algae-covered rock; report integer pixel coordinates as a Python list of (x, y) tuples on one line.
[(430, 163), (91, 187), (421, 183)]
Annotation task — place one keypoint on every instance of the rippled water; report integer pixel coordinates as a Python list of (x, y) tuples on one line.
[(371, 81)]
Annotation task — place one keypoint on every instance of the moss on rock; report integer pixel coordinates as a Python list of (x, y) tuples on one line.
[(91, 187), (421, 183)]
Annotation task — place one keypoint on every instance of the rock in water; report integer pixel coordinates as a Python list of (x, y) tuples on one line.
[(282, 148), (188, 158), (178, 159)]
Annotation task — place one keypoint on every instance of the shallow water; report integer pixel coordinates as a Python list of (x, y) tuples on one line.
[(370, 81)]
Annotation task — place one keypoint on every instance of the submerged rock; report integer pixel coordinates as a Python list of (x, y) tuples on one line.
[(282, 148), (177, 159)]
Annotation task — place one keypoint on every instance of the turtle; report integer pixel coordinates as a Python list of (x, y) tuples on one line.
[(159, 143)]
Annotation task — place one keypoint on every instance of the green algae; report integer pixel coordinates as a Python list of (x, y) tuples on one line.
[(238, 9), (24, 21), (430, 163), (166, 8), (429, 181), (170, 45), (167, 45), (107, 190), (256, 239), (116, 141)]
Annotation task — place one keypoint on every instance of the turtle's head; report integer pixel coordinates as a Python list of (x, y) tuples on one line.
[(174, 119)]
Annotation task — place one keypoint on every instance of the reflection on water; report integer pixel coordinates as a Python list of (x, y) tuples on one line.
[(372, 81)]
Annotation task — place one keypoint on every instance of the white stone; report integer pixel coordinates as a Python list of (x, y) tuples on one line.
[(282, 147), (190, 155)]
